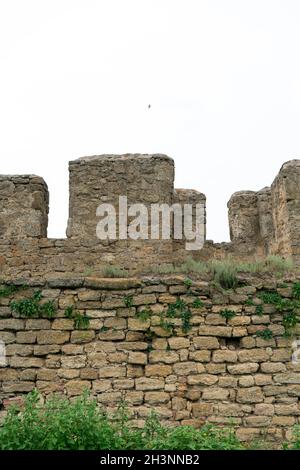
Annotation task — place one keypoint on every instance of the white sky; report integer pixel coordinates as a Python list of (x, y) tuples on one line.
[(222, 78)]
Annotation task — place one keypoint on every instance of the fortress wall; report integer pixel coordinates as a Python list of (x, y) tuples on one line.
[(218, 370)]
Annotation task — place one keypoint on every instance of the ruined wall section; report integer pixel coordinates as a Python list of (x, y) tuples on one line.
[(286, 210), (267, 222), (24, 205)]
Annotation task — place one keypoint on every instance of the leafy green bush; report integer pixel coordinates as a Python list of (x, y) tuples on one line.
[(59, 424)]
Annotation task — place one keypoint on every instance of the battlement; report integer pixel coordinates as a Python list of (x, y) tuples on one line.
[(261, 223)]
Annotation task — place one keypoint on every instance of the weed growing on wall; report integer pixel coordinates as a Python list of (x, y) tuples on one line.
[(30, 307), (81, 321), (288, 307), (265, 334), (228, 314)]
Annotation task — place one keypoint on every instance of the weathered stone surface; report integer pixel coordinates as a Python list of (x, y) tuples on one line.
[(167, 357), (202, 379), (147, 383), (52, 337), (112, 371), (246, 368), (26, 337), (23, 207), (81, 336), (224, 356), (215, 393), (137, 358), (205, 343), (11, 324), (222, 331), (157, 370), (250, 395), (253, 355), (77, 387), (178, 343), (25, 362), (38, 324)]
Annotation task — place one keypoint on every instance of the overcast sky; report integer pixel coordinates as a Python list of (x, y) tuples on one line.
[(222, 78)]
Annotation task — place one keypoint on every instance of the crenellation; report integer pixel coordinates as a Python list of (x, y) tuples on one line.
[(24, 206), (262, 223)]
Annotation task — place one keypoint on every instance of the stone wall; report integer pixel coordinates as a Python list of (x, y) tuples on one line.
[(217, 370)]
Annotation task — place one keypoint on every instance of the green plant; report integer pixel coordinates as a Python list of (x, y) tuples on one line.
[(265, 334), (295, 443), (228, 314), (80, 424), (249, 302), (296, 290), (128, 300), (289, 321), (32, 306), (197, 303), (178, 310), (171, 311), (225, 274), (144, 314), (103, 329), (259, 309), (7, 290), (81, 322), (166, 325), (48, 309), (185, 316), (69, 311), (149, 335), (188, 282), (272, 298)]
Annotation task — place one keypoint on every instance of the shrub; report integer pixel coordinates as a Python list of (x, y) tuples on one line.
[(59, 424)]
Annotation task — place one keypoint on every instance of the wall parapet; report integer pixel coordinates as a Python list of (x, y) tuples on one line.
[(261, 223)]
